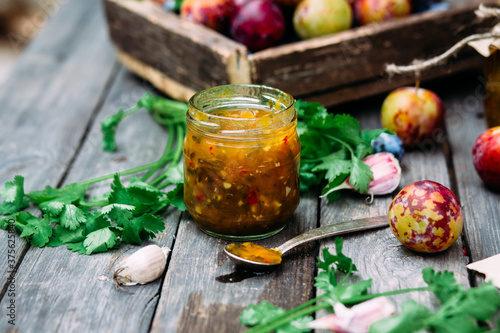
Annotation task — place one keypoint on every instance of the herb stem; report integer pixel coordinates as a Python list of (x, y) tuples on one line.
[(307, 308), (276, 323), (166, 153), (121, 173), (362, 298), (179, 129)]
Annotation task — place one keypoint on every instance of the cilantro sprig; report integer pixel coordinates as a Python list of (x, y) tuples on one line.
[(333, 148), (126, 214), (461, 311)]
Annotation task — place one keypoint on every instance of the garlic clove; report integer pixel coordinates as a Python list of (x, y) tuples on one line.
[(386, 175), (141, 267)]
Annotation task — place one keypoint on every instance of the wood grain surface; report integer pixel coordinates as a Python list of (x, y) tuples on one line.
[(68, 80)]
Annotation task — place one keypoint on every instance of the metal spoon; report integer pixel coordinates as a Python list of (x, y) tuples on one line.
[(311, 235)]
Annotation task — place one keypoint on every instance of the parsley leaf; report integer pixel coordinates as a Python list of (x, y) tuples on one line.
[(141, 198), (68, 194), (72, 217), (265, 312), (333, 147), (36, 230), (77, 247), (361, 175), (100, 241), (256, 314), (142, 228), (13, 193), (340, 260), (124, 214), (176, 197), (335, 165), (443, 284)]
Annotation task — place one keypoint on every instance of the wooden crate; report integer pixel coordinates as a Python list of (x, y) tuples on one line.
[(180, 57)]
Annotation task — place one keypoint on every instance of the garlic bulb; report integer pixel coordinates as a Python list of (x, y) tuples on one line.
[(143, 266)]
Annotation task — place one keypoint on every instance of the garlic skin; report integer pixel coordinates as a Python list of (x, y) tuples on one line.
[(386, 175), (356, 319), (141, 267)]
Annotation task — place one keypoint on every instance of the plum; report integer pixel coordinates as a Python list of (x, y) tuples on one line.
[(413, 114), (370, 11), (486, 157), (389, 143), (258, 24), (313, 18), (214, 14), (426, 216)]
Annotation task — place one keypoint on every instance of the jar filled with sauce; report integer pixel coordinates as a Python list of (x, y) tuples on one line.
[(241, 161)]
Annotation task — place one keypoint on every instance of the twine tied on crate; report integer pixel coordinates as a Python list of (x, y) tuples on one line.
[(482, 43)]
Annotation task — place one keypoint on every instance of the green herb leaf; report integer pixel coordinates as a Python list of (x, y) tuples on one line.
[(412, 318), (62, 235), (13, 194), (68, 194), (373, 134), (142, 228), (265, 312), (141, 198), (256, 314), (176, 197), (361, 175), (443, 284), (77, 247), (36, 230), (100, 241), (339, 260), (72, 217), (335, 165)]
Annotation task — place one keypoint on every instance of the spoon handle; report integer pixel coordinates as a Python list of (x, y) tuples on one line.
[(334, 230)]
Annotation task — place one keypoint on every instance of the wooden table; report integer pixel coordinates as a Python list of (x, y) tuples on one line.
[(68, 80)]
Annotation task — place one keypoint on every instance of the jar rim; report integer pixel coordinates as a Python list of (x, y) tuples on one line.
[(203, 103)]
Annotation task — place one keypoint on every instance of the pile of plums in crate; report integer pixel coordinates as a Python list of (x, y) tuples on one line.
[(259, 24)]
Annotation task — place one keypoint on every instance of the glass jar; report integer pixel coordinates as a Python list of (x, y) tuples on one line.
[(492, 90), (241, 161)]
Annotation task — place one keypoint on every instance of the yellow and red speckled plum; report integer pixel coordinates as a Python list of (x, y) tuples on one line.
[(486, 157), (412, 113), (370, 11), (426, 216)]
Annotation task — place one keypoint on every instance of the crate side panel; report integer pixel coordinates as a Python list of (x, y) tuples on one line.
[(361, 54), (187, 53)]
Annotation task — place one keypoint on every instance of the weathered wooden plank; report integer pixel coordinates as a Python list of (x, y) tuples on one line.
[(49, 99), (194, 296), (378, 254), (51, 278), (384, 84), (465, 122)]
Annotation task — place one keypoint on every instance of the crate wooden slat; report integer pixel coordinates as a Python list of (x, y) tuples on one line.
[(180, 57)]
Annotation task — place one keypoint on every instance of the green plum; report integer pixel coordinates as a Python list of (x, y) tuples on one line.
[(314, 18)]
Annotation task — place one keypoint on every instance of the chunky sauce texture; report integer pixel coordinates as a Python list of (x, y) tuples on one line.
[(254, 252), (242, 187)]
